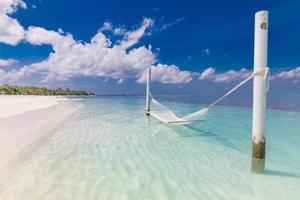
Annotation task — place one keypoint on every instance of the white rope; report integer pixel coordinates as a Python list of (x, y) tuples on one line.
[(267, 76), (230, 91)]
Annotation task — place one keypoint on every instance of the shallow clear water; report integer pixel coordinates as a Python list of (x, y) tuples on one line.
[(110, 150)]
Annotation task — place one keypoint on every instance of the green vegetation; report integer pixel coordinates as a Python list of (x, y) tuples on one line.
[(29, 90)]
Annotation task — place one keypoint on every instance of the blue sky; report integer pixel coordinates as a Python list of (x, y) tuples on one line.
[(180, 40)]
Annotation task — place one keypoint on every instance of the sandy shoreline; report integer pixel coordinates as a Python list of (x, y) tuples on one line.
[(28, 118), (11, 105)]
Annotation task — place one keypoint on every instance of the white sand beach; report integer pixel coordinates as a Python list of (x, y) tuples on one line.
[(24, 119), (11, 105)]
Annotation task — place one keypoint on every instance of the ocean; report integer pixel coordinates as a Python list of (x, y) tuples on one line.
[(110, 150)]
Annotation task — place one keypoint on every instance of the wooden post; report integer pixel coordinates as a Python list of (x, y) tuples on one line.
[(148, 98), (259, 92)]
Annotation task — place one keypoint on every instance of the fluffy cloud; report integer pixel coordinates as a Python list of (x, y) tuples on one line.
[(133, 37), (232, 75), (11, 6), (290, 74), (11, 32), (235, 75), (166, 74), (15, 75), (99, 57), (7, 62), (40, 36), (207, 74), (107, 26), (130, 38), (226, 77)]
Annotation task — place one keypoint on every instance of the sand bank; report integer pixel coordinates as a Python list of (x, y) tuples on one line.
[(11, 105), (28, 118)]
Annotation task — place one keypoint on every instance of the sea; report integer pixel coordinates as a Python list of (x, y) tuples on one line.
[(110, 150)]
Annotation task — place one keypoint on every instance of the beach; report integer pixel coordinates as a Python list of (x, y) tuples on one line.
[(25, 119)]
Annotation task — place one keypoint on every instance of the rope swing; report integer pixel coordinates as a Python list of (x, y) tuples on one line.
[(166, 115)]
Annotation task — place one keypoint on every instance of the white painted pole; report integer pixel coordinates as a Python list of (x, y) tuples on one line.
[(148, 92), (259, 91)]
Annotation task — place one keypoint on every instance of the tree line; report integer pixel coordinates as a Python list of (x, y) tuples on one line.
[(31, 90)]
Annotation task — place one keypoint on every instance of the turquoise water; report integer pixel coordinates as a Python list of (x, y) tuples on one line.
[(110, 150)]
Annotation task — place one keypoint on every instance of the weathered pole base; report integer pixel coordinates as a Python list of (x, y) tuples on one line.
[(258, 165), (258, 157)]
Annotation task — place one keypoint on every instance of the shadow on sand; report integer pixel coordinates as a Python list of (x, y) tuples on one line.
[(190, 131), (280, 173)]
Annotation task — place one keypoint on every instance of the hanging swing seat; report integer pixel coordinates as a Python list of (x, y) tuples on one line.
[(166, 115)]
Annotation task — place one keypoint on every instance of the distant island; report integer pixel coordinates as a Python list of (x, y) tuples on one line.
[(30, 90)]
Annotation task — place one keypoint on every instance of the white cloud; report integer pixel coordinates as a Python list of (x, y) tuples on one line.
[(72, 58), (106, 27), (207, 74), (226, 77), (133, 37), (11, 6), (236, 75), (99, 57), (96, 58), (167, 25), (130, 38), (167, 74), (40, 36), (7, 62), (206, 51), (119, 31), (15, 75), (11, 32), (232, 75), (290, 74)]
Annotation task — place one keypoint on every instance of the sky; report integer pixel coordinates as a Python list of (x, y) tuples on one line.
[(106, 46)]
